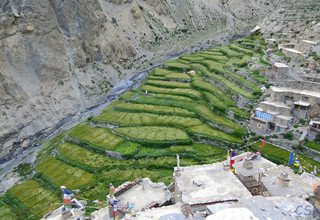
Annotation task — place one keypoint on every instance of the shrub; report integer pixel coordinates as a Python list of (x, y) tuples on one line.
[(288, 136), (24, 169)]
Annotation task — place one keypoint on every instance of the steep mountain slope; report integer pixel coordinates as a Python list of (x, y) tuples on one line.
[(60, 57)]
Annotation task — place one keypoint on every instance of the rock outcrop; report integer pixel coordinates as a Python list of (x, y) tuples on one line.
[(58, 57)]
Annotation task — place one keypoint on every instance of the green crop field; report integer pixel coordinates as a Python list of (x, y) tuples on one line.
[(174, 111), (60, 173), (313, 145), (177, 66), (211, 133), (156, 109), (99, 137), (177, 77), (166, 84), (154, 135), (147, 119), (35, 198), (176, 91)]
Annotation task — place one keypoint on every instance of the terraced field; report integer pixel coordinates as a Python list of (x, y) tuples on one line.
[(281, 156), (189, 106)]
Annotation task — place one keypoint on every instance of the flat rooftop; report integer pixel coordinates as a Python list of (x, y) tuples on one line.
[(153, 193), (297, 186), (280, 65), (101, 214), (261, 163), (302, 103), (166, 212), (276, 104), (310, 42), (209, 184), (246, 172), (296, 91), (259, 207), (57, 214), (285, 117), (292, 50)]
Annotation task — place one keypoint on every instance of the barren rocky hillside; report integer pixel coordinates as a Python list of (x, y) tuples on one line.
[(60, 57)]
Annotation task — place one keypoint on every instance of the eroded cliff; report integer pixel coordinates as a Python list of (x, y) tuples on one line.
[(59, 57)]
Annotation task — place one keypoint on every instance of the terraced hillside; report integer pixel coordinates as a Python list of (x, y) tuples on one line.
[(195, 106)]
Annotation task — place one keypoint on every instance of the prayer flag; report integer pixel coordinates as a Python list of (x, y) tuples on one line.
[(291, 158), (67, 196), (233, 154), (262, 143)]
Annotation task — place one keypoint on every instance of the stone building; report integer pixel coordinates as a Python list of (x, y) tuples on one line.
[(293, 53), (306, 46), (278, 71), (284, 105), (200, 186), (270, 117)]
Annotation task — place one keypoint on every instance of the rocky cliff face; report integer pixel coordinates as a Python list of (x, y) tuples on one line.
[(60, 57)]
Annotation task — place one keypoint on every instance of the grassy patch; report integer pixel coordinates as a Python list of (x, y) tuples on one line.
[(313, 145), (201, 150), (202, 85), (6, 212), (231, 53), (131, 107), (84, 157), (37, 199), (215, 101), (217, 119), (256, 75), (154, 135), (208, 132), (147, 119), (182, 92), (62, 174), (167, 84), (240, 112), (192, 58), (178, 77), (173, 97), (219, 59), (241, 50), (177, 66), (98, 137), (159, 72), (230, 85)]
